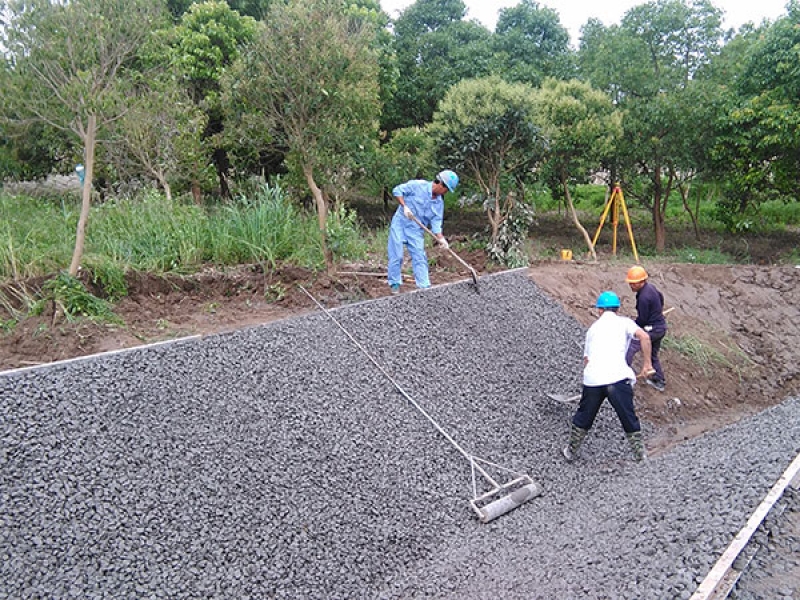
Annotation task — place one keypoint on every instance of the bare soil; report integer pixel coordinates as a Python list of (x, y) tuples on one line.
[(731, 349)]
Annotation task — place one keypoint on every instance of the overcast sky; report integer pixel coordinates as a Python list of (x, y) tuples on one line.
[(574, 13)]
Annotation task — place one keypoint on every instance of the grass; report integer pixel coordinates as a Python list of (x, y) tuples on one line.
[(36, 236), (705, 356), (152, 234), (155, 235), (702, 256)]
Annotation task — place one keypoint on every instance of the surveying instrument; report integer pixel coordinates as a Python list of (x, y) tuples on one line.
[(613, 205)]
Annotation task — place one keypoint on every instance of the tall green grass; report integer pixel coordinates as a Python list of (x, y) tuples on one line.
[(36, 236), (266, 227), (148, 234), (151, 233)]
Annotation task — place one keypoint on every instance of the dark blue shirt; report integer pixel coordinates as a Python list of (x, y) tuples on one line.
[(650, 310)]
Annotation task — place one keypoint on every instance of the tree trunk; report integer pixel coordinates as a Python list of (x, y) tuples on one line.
[(658, 217), (197, 195), (684, 191), (576, 220), (322, 216), (86, 198), (161, 178), (494, 222)]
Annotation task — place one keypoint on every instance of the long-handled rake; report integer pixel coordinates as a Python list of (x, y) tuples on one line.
[(450, 250), (501, 498)]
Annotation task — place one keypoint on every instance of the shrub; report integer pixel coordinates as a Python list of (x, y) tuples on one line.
[(75, 300)]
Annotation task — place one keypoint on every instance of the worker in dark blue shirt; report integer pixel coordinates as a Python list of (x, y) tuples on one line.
[(650, 317)]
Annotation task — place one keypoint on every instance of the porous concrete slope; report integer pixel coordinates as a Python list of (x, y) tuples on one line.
[(279, 462)]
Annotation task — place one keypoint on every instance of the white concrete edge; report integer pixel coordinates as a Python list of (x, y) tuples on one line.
[(98, 354), (718, 571)]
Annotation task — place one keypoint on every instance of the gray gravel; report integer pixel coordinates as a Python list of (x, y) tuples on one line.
[(277, 462), (773, 570)]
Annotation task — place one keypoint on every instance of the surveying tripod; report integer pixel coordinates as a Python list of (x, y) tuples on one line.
[(615, 201)]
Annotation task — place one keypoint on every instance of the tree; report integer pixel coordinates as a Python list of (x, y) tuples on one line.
[(205, 43), (248, 8), (67, 64), (758, 131), (436, 49), (647, 63), (484, 129), (312, 75), (159, 136), (582, 128), (530, 44)]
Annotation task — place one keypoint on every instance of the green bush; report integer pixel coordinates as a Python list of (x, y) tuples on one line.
[(345, 238), (589, 196), (108, 276), (508, 249), (780, 212), (76, 301)]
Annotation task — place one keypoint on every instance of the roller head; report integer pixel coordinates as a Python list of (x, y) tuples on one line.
[(505, 499)]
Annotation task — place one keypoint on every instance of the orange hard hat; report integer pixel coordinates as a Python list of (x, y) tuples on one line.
[(636, 274)]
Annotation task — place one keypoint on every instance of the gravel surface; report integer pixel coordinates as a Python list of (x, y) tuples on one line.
[(278, 462), (773, 571)]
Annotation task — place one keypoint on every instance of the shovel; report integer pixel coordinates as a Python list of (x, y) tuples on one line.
[(456, 256), (564, 398), (570, 399)]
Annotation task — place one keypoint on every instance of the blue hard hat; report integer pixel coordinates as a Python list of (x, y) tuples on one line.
[(448, 178), (607, 300)]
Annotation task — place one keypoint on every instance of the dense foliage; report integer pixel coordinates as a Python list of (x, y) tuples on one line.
[(343, 102)]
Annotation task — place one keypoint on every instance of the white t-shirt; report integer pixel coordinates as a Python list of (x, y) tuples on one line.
[(606, 344)]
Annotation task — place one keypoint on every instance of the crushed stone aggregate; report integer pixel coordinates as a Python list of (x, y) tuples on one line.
[(278, 462)]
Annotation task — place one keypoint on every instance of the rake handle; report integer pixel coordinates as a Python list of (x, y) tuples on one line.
[(450, 250)]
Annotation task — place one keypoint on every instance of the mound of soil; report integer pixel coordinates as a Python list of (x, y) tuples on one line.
[(731, 348)]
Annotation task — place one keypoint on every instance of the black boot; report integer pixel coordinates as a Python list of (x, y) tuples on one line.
[(576, 437), (637, 445)]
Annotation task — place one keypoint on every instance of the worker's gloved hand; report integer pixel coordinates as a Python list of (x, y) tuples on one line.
[(407, 212), (443, 243)]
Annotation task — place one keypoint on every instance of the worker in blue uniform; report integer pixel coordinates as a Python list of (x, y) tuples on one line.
[(424, 201)]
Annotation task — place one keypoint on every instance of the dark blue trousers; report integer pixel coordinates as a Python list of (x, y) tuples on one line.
[(655, 342), (619, 394)]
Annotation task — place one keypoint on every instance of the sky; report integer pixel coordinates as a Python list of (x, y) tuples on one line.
[(575, 13)]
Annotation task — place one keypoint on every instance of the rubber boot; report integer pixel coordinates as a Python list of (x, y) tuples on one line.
[(576, 437), (637, 445)]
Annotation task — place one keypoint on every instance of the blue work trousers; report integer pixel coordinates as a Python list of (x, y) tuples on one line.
[(405, 233), (619, 394), (655, 342)]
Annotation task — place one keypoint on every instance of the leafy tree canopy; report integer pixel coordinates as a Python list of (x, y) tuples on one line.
[(207, 40), (435, 49), (248, 8), (530, 44)]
